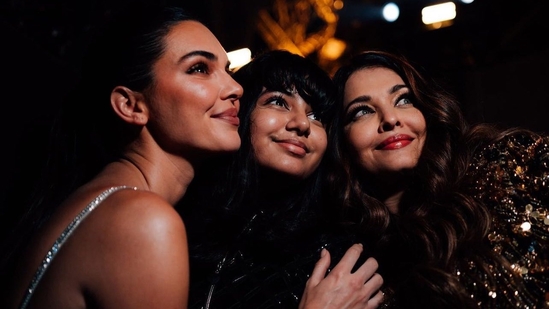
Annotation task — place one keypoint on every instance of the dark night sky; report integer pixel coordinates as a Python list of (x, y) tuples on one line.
[(495, 58)]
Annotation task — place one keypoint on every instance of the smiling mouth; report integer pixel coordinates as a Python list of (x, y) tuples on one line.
[(295, 148), (395, 142), (395, 145), (230, 116), (235, 121)]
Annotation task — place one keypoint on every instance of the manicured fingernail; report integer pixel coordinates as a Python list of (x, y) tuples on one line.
[(323, 252)]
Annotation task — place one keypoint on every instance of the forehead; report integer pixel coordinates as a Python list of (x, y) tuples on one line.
[(373, 78), (370, 82), (188, 36)]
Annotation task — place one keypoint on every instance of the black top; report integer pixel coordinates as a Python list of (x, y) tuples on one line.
[(254, 272)]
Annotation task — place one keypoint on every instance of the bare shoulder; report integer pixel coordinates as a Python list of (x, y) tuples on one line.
[(140, 215), (139, 240), (140, 204), (129, 252)]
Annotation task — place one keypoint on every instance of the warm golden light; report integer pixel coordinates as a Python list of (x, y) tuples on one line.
[(332, 49), (438, 13), (239, 57), (287, 25)]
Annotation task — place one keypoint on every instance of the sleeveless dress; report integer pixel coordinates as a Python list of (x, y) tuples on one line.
[(62, 239)]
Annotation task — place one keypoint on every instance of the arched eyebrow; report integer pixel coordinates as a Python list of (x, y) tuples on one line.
[(203, 53), (367, 98), (396, 88), (359, 99)]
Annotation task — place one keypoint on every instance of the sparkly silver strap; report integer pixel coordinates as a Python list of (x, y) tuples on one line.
[(61, 240)]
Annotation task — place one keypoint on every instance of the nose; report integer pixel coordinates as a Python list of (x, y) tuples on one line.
[(299, 122), (389, 121), (231, 90)]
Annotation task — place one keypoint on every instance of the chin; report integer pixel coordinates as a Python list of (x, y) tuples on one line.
[(297, 175), (229, 149), (230, 145)]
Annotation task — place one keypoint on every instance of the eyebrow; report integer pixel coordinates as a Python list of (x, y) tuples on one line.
[(202, 53), (359, 99), (367, 98), (397, 88)]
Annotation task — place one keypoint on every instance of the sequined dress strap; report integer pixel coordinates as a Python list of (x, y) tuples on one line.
[(62, 238)]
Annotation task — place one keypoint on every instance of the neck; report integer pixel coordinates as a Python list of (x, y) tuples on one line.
[(167, 177)]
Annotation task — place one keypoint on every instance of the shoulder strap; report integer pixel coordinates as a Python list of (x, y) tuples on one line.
[(62, 238)]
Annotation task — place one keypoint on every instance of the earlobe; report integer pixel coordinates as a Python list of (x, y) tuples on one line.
[(128, 105)]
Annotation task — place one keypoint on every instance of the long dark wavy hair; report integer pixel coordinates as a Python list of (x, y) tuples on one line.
[(231, 189), (86, 134), (437, 225)]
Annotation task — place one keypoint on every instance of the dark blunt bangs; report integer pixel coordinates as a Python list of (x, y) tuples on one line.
[(283, 71)]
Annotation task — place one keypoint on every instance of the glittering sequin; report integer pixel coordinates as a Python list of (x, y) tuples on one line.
[(61, 240), (512, 178)]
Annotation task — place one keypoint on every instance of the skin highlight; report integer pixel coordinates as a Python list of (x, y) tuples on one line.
[(167, 101), (384, 131)]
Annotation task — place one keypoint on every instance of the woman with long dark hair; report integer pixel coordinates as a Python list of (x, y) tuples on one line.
[(257, 222), (456, 214)]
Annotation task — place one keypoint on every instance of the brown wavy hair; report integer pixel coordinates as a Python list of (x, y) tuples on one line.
[(438, 224)]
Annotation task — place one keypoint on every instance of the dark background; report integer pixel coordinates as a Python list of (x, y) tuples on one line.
[(494, 58)]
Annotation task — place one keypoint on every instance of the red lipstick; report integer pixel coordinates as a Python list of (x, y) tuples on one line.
[(395, 142)]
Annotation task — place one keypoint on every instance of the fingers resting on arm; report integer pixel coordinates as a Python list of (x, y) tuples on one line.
[(341, 288)]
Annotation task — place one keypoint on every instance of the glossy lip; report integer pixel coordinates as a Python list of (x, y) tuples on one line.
[(291, 144), (230, 115), (395, 142)]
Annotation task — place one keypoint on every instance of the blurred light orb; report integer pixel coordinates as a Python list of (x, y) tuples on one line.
[(391, 12), (467, 1)]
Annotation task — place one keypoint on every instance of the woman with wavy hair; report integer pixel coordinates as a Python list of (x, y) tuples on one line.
[(456, 214)]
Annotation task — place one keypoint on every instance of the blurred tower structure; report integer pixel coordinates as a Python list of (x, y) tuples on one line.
[(304, 27)]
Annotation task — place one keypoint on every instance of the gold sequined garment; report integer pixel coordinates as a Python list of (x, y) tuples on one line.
[(512, 178)]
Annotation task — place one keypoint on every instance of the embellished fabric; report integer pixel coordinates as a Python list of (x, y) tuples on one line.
[(511, 177), (50, 255)]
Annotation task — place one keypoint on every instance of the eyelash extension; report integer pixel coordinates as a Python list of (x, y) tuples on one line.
[(276, 98), (199, 65), (407, 95), (350, 117)]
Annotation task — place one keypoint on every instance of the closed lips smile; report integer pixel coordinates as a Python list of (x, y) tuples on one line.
[(230, 115), (395, 142), (294, 146)]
